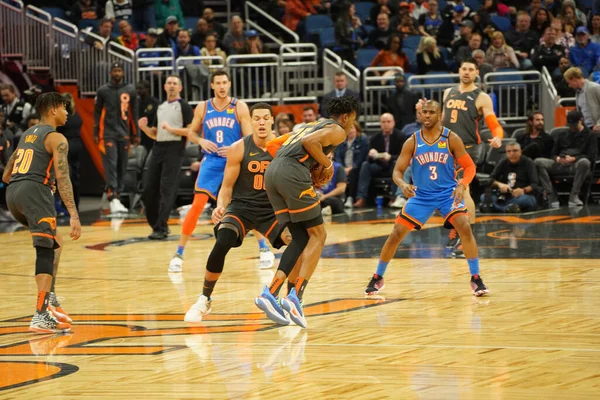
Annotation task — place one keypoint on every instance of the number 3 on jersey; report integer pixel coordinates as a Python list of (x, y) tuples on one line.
[(433, 176), (23, 161), (219, 137)]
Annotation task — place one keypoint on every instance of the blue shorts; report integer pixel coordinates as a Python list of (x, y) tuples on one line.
[(210, 176), (419, 209)]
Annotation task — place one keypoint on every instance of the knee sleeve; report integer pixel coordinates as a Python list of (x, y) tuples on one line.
[(44, 263), (296, 247), (226, 239)]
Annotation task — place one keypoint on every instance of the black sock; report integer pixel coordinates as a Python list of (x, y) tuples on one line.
[(208, 288), (276, 285), (291, 285)]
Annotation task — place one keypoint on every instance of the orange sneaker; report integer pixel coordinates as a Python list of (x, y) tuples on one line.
[(59, 313)]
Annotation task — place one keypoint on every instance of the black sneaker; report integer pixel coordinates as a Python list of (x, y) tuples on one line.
[(479, 289), (375, 285), (513, 209), (158, 235), (458, 252), (453, 239)]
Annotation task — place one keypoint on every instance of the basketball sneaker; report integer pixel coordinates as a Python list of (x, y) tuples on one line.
[(57, 311), (479, 289), (116, 207), (176, 263), (457, 252), (267, 259), (453, 239), (44, 322), (270, 305), (292, 304), (201, 308), (375, 285)]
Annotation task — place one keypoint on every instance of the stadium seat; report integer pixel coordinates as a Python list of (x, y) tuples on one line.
[(411, 54), (503, 24), (363, 10), (315, 24), (190, 23), (507, 78), (517, 133), (411, 42), (327, 37), (55, 12), (474, 5), (365, 57), (369, 28)]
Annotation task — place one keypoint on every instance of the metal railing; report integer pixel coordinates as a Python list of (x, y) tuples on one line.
[(66, 56), (517, 93), (299, 72), (154, 65), (12, 40), (433, 86), (378, 85), (275, 26), (92, 63), (123, 55), (195, 76), (38, 38), (254, 77), (548, 97)]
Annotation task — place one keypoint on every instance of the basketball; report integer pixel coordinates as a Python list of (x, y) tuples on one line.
[(320, 175)]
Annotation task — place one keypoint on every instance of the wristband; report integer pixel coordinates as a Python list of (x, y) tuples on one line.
[(330, 165)]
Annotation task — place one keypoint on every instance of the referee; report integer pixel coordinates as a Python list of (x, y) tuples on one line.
[(160, 188)]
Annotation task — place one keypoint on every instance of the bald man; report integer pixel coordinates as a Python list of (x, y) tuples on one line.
[(385, 147), (234, 38)]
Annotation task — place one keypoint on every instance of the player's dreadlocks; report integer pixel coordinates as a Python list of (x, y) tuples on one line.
[(48, 101), (343, 105)]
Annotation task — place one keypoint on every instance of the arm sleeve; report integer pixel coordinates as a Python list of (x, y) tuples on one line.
[(466, 162)]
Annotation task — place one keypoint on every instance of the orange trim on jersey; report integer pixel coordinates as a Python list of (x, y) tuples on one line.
[(43, 234), (48, 171), (271, 229), (304, 158), (206, 192), (400, 220), (454, 213), (417, 224), (477, 129), (282, 211), (240, 222), (415, 140), (225, 108), (436, 140), (305, 208)]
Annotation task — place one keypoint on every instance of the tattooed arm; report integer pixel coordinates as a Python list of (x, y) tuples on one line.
[(8, 168), (59, 147)]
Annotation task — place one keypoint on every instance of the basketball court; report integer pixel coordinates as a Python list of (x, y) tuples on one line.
[(537, 335)]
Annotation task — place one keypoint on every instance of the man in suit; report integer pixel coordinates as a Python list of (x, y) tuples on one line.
[(587, 98), (340, 81), (385, 149)]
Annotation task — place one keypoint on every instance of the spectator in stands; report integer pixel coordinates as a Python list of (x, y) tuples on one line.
[(553, 6), (594, 28), (574, 151), (184, 47), (401, 104), (332, 194), (585, 54), (253, 43), (144, 16), (541, 20), (430, 22), (383, 6), (117, 10), (379, 36), (348, 30), (32, 119), (407, 25), (499, 54), (570, 15), (418, 8), (523, 39), (168, 38), (516, 180), (72, 131), (340, 81), (147, 106), (466, 30), (534, 7), (84, 13), (558, 78), (308, 115), (296, 12), (450, 29), (15, 110), (563, 38), (199, 35), (429, 57), (403, 11), (467, 51), (411, 128), (385, 147), (105, 32), (210, 49), (392, 56), (451, 8), (587, 98), (351, 154), (235, 39), (549, 53), (283, 124), (128, 38), (166, 9), (484, 67), (535, 142), (213, 25), (492, 7), (150, 43)]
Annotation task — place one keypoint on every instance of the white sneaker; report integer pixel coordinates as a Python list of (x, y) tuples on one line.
[(399, 202), (267, 259), (104, 203), (575, 201), (201, 308), (116, 207), (327, 211), (176, 264), (349, 202)]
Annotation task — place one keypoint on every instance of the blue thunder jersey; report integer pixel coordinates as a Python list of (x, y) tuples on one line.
[(221, 126), (433, 170)]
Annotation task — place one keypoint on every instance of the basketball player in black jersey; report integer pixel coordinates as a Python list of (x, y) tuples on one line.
[(39, 159), (291, 192), (464, 106), (242, 204)]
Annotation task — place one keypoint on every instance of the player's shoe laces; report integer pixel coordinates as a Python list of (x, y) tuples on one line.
[(375, 285), (479, 289), (453, 239), (293, 306), (176, 263), (269, 304), (267, 259), (44, 322), (201, 308), (57, 311)]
